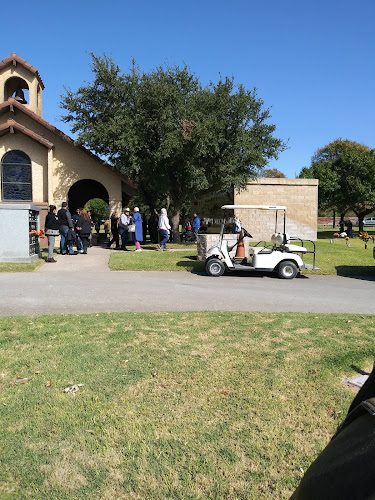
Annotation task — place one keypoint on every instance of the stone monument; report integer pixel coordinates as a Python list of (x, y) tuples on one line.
[(18, 224)]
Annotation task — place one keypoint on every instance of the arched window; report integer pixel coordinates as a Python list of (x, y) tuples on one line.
[(16, 177)]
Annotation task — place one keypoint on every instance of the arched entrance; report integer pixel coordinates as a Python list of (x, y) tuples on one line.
[(83, 191)]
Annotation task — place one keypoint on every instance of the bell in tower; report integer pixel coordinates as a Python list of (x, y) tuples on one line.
[(22, 82), (20, 96)]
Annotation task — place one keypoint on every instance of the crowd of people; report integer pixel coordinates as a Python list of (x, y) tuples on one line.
[(134, 227), (76, 230)]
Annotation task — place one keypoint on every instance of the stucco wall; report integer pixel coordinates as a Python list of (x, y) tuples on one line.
[(69, 164), (300, 196)]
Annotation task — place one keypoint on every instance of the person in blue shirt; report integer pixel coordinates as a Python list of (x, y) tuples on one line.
[(138, 234), (196, 224)]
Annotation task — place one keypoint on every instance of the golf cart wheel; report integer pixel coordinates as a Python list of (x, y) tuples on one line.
[(215, 267), (287, 270)]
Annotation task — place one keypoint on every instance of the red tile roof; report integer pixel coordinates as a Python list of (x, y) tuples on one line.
[(14, 57), (11, 104)]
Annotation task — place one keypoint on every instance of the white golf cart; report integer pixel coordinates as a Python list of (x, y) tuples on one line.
[(280, 256)]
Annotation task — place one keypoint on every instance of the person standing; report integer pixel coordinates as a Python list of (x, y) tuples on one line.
[(65, 224), (123, 227), (79, 241), (164, 228), (349, 228), (153, 227), (84, 228), (138, 233), (237, 225), (51, 229), (92, 225), (196, 225), (114, 230)]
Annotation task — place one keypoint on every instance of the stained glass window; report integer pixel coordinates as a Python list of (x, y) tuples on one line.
[(16, 177)]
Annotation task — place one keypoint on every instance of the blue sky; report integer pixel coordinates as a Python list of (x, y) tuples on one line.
[(312, 61)]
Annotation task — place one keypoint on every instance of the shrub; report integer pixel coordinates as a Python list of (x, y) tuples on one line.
[(99, 209)]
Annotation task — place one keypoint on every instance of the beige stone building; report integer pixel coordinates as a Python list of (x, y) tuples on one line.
[(41, 164), (300, 196)]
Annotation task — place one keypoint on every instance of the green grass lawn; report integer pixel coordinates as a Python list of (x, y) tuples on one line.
[(156, 261), (338, 258), (178, 405), (332, 259), (20, 267)]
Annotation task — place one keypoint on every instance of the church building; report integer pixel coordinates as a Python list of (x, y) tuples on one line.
[(39, 163)]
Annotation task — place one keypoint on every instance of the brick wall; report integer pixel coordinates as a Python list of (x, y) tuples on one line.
[(300, 196)]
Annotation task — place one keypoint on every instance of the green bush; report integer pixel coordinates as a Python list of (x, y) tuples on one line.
[(99, 209)]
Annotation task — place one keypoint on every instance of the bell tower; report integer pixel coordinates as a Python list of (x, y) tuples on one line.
[(21, 81)]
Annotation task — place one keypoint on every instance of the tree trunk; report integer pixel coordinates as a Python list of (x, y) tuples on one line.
[(361, 214), (360, 223), (175, 218), (175, 222)]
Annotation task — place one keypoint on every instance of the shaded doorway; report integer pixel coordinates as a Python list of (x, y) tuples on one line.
[(83, 191)]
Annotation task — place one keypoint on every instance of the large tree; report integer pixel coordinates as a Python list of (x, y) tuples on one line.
[(346, 173), (357, 170), (272, 173), (172, 136)]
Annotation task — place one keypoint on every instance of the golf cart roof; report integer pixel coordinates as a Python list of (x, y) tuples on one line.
[(255, 207)]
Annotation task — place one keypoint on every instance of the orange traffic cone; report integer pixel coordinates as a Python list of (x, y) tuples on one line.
[(240, 253)]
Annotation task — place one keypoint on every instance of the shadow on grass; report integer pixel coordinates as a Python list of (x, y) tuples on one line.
[(359, 370), (326, 235), (170, 246), (191, 264), (357, 272)]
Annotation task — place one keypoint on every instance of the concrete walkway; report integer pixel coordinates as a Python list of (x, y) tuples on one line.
[(96, 259), (83, 284)]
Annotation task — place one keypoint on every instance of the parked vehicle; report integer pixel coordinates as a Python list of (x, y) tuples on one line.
[(281, 256), (369, 221)]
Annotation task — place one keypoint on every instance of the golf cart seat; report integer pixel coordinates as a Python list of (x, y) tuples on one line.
[(294, 248), (259, 250), (283, 240), (289, 247), (277, 238)]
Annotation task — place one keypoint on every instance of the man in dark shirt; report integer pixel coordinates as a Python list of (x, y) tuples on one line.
[(65, 223), (79, 241), (114, 231)]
